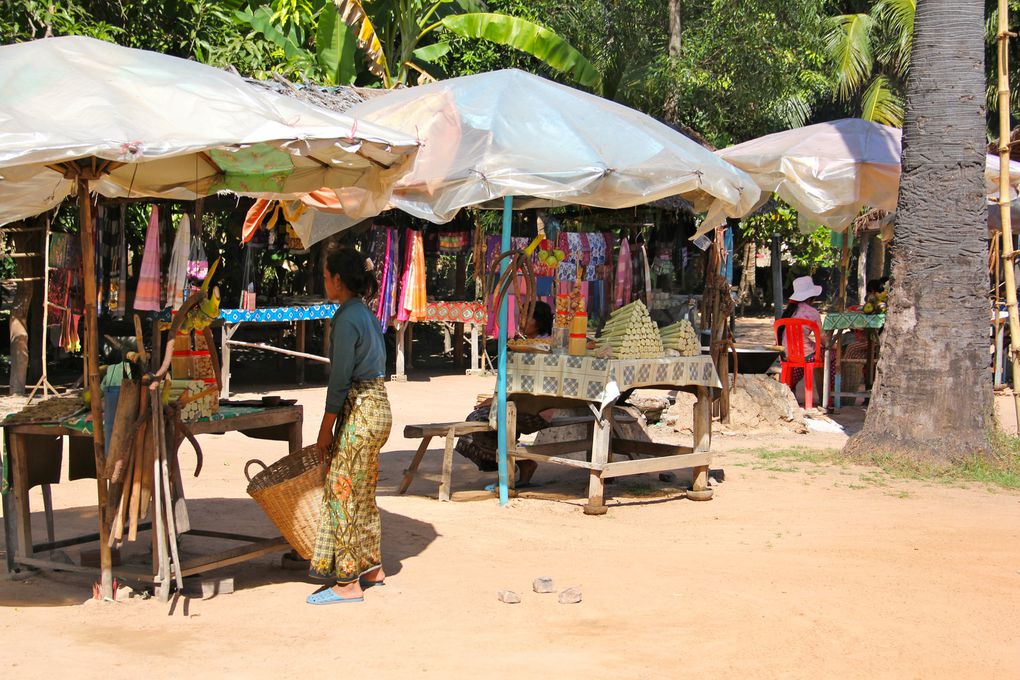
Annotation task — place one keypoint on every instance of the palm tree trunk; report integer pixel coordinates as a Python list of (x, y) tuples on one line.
[(932, 399)]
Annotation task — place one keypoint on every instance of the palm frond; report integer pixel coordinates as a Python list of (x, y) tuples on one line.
[(880, 104), (848, 41), (897, 16)]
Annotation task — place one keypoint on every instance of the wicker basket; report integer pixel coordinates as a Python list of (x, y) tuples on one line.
[(290, 492)]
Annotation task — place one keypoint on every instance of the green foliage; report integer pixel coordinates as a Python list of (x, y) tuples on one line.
[(745, 68), (810, 251), (526, 36), (871, 54)]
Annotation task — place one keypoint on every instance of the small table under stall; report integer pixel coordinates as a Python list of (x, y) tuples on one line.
[(539, 381), (25, 439), (837, 324), (299, 315), (470, 313)]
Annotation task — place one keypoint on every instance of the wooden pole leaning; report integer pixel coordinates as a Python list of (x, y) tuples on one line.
[(1008, 253), (44, 383), (93, 383)]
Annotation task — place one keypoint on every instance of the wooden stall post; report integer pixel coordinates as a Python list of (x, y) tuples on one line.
[(92, 372), (459, 292), (700, 490), (1008, 254), (601, 438)]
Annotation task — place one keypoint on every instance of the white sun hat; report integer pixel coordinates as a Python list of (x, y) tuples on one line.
[(804, 288)]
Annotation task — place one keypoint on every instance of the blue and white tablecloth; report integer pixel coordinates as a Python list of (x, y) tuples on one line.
[(277, 314)]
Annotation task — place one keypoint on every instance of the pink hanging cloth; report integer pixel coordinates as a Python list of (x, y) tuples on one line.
[(624, 274), (148, 292)]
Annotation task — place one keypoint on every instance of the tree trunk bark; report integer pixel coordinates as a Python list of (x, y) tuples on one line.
[(25, 268), (932, 399), (863, 257), (745, 291), (674, 28)]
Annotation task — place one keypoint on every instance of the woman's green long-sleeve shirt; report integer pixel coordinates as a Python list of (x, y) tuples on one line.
[(357, 351)]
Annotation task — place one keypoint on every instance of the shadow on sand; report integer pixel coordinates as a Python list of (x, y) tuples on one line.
[(403, 538)]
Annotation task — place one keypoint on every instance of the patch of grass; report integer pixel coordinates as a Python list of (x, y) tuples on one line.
[(1002, 470)]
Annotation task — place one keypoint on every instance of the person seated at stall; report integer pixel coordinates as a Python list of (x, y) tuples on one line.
[(856, 353), (801, 306), (481, 447)]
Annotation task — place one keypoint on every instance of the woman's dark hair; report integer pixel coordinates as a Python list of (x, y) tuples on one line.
[(543, 317), (350, 265)]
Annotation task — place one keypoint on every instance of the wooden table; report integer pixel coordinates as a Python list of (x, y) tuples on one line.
[(456, 312), (539, 381), (280, 424)]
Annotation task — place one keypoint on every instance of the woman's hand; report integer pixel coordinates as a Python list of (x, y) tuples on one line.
[(324, 442)]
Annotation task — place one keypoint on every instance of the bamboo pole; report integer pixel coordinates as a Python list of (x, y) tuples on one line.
[(93, 383), (1008, 254)]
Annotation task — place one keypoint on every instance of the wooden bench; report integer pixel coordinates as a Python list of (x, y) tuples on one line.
[(426, 431)]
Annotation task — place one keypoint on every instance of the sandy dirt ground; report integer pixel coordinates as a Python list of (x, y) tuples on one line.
[(792, 570)]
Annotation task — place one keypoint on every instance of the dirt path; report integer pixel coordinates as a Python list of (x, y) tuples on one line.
[(793, 570)]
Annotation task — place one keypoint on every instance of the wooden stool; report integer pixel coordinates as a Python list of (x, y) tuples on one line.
[(426, 432)]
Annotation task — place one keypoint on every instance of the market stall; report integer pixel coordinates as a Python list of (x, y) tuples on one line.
[(250, 143), (508, 134)]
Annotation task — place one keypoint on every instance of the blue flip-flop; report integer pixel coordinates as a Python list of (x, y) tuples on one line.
[(328, 596)]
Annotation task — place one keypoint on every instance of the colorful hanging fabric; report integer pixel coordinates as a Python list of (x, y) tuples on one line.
[(177, 273), (414, 299), (621, 293), (118, 270), (454, 242), (596, 256), (148, 292)]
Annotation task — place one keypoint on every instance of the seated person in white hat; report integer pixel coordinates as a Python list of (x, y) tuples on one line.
[(802, 307)]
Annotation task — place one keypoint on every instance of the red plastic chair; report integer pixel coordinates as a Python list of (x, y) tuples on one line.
[(790, 332)]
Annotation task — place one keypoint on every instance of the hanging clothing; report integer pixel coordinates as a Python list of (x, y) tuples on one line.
[(147, 293), (624, 274), (413, 299), (177, 273)]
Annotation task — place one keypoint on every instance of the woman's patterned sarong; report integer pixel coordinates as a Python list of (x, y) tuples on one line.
[(348, 541)]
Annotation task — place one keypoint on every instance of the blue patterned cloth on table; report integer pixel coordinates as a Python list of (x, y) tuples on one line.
[(276, 314)]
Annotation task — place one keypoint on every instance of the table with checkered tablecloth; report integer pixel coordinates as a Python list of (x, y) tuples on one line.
[(548, 379)]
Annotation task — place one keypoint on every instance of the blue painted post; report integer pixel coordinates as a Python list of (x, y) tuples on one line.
[(504, 492)]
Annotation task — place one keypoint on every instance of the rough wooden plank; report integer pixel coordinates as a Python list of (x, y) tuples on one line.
[(556, 448), (241, 553), (412, 470), (657, 464), (19, 465), (621, 445), (599, 457), (556, 460), (447, 481), (442, 429)]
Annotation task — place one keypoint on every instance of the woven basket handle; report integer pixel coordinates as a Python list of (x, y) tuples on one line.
[(248, 465)]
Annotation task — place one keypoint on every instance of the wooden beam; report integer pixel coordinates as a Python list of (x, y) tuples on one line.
[(656, 464)]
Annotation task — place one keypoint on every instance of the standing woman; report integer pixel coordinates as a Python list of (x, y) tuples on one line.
[(354, 428)]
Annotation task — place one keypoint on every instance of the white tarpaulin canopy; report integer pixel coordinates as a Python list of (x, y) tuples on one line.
[(830, 171), (164, 127), (510, 133)]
